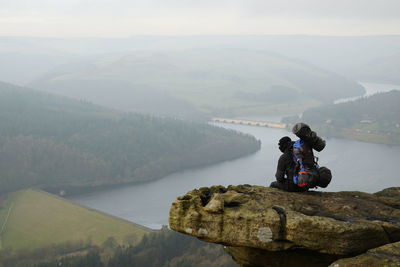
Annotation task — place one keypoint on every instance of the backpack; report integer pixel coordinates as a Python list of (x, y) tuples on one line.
[(306, 173)]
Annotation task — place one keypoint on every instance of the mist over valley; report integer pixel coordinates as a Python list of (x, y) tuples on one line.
[(111, 113)]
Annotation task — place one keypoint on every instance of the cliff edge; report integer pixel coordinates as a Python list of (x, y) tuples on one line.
[(263, 226)]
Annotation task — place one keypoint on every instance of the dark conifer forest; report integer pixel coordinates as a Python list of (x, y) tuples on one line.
[(49, 140), (373, 119), (163, 248), (381, 108)]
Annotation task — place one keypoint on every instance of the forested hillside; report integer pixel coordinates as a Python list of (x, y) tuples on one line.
[(48, 140), (169, 248), (373, 119), (164, 248)]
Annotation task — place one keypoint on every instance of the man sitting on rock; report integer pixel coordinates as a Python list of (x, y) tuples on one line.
[(297, 168), (286, 168)]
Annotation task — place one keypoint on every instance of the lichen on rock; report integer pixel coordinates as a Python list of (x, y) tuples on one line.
[(330, 225)]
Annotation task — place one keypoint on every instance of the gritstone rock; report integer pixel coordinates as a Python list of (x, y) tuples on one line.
[(265, 225)]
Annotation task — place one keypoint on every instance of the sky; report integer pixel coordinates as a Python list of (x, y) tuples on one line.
[(124, 18)]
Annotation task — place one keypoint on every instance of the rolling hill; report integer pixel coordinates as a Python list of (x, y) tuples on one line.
[(23, 59), (215, 81)]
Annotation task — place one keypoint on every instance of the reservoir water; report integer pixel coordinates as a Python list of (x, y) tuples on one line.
[(355, 166), (370, 89)]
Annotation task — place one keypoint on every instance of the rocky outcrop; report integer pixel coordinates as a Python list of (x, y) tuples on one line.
[(264, 226), (387, 255)]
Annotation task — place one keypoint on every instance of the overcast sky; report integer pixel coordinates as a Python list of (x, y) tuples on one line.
[(123, 18)]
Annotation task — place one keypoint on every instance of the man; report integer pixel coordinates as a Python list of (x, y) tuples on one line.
[(297, 169), (286, 168)]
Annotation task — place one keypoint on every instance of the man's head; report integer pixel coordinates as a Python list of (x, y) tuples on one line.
[(284, 143)]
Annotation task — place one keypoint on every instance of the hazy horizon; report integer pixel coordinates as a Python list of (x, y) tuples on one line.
[(113, 105), (122, 18), (199, 35)]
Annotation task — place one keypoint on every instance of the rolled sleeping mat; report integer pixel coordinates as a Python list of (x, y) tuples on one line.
[(325, 177)]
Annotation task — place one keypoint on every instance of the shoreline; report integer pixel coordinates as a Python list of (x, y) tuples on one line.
[(67, 191)]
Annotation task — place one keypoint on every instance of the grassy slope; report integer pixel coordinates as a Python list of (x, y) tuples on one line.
[(360, 134), (38, 219)]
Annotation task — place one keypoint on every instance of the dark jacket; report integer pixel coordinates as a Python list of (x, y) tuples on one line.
[(286, 165), (285, 171)]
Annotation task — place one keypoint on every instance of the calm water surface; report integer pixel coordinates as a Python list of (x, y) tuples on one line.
[(355, 166), (371, 89)]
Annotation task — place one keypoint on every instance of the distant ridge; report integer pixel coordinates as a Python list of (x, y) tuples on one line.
[(214, 81)]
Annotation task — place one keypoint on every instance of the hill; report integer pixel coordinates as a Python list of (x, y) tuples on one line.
[(216, 81), (32, 219), (372, 119), (49, 140), (383, 68), (23, 59)]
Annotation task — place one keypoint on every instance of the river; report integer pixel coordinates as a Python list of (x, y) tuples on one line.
[(355, 166), (370, 89)]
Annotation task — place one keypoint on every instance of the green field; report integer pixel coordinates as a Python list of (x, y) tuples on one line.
[(32, 219)]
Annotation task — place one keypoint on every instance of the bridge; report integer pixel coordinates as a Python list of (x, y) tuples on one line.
[(251, 122)]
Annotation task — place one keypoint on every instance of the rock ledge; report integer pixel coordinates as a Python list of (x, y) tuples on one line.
[(264, 225)]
